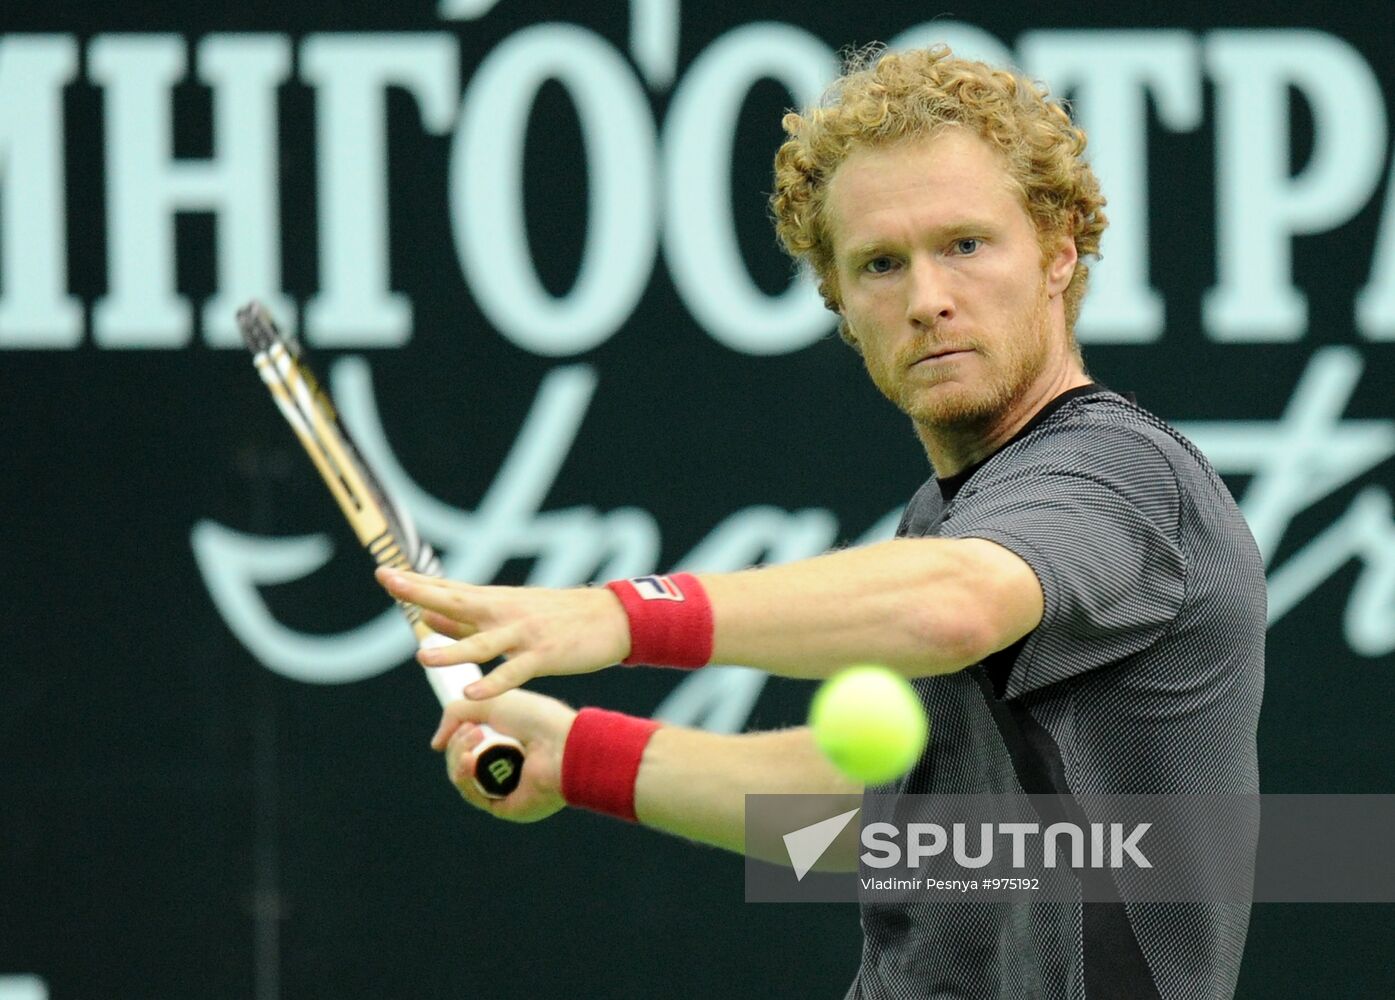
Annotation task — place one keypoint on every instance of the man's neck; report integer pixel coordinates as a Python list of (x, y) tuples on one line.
[(953, 449)]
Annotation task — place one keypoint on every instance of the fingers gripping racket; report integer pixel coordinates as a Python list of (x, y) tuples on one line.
[(382, 527)]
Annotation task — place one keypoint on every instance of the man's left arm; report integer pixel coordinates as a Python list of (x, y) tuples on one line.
[(920, 606)]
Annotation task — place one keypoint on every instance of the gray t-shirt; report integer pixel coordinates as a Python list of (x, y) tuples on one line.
[(1144, 677)]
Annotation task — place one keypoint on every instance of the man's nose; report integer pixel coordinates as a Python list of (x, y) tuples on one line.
[(929, 301)]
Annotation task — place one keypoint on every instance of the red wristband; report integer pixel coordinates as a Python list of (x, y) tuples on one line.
[(601, 760), (670, 620)]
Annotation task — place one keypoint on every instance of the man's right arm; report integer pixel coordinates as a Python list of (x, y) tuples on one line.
[(691, 783), (694, 783)]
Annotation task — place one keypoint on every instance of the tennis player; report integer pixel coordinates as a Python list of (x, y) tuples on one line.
[(1074, 593)]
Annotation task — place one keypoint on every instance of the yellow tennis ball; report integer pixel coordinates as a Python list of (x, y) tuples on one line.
[(870, 723)]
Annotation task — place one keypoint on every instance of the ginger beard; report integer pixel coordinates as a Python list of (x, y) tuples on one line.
[(971, 391)]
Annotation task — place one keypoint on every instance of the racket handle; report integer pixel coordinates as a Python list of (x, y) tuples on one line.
[(498, 758)]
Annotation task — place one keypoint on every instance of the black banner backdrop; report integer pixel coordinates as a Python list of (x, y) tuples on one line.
[(531, 245)]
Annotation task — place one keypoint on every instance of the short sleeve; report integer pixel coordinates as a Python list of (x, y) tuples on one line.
[(1100, 532)]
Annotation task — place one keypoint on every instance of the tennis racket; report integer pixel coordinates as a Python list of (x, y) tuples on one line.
[(382, 526)]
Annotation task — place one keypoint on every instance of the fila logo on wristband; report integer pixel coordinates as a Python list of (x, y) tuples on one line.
[(670, 620), (656, 588)]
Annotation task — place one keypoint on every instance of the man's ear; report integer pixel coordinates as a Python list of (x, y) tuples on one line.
[(1060, 268), (845, 331), (828, 290)]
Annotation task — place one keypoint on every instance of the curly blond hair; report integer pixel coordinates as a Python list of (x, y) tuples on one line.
[(886, 97)]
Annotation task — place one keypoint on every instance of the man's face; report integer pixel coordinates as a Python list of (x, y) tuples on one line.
[(941, 278)]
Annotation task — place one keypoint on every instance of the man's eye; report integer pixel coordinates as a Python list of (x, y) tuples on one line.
[(879, 265), (966, 246)]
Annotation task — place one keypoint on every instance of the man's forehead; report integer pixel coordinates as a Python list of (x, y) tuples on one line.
[(949, 173)]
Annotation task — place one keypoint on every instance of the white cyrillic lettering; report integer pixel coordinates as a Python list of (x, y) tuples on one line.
[(35, 307), (486, 197), (146, 185), (1260, 206), (351, 74), (1109, 76), (700, 242)]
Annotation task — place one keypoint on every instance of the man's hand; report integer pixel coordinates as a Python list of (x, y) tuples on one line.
[(540, 723), (543, 632)]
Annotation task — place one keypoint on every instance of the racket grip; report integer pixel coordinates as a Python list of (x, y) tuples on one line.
[(498, 758)]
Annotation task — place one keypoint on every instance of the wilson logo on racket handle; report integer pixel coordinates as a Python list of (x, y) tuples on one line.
[(498, 765)]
